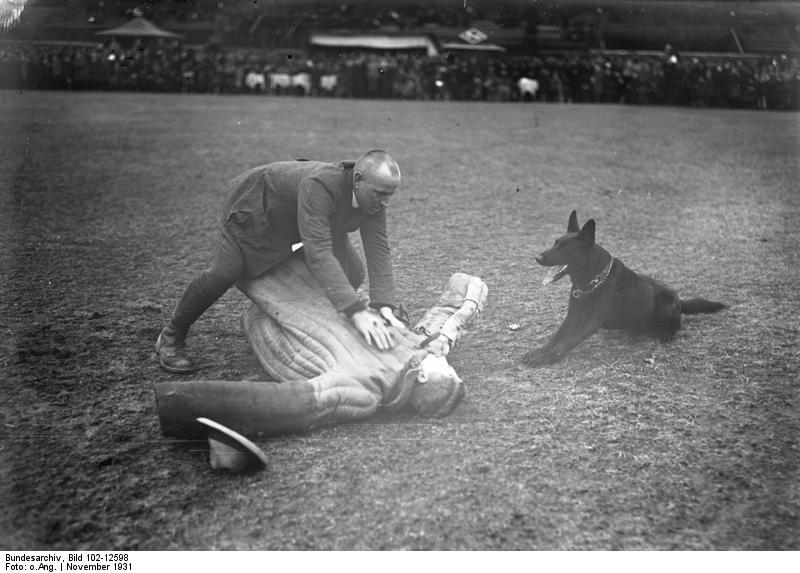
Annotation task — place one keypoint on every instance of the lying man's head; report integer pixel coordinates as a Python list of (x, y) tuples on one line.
[(438, 389)]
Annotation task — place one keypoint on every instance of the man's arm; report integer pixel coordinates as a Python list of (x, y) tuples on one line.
[(379, 261), (463, 298), (315, 206)]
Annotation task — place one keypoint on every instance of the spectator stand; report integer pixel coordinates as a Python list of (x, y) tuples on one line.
[(729, 54), (141, 56)]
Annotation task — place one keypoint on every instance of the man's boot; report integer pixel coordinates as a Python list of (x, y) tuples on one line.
[(170, 348)]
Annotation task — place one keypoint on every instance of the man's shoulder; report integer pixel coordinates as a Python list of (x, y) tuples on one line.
[(309, 166), (333, 176), (330, 174), (331, 169)]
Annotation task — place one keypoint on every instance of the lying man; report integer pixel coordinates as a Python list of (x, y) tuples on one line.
[(325, 371)]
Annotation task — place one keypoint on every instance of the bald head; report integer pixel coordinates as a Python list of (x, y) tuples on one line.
[(376, 177), (378, 167)]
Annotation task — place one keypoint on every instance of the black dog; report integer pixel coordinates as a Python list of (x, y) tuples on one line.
[(607, 294)]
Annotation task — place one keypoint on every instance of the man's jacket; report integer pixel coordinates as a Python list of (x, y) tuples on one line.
[(271, 207)]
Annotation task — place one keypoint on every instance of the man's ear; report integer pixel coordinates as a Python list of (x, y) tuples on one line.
[(572, 224), (587, 232), (357, 178)]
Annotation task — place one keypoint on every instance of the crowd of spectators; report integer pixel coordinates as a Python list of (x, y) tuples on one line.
[(309, 15), (669, 78)]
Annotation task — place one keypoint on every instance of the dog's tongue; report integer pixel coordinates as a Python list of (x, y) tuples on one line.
[(554, 274)]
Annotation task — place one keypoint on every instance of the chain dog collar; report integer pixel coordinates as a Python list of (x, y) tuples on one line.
[(593, 284)]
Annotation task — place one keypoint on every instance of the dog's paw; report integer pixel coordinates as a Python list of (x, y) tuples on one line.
[(537, 358)]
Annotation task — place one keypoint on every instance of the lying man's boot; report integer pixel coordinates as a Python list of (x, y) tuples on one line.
[(170, 348)]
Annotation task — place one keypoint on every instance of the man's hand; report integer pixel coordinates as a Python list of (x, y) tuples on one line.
[(371, 326), (388, 315)]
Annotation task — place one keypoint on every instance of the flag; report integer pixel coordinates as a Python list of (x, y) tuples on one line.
[(473, 36)]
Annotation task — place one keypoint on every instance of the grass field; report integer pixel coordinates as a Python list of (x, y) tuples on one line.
[(108, 204)]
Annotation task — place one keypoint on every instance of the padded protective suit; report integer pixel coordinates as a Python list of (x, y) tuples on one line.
[(325, 371)]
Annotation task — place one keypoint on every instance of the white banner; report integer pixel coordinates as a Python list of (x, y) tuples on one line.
[(375, 42)]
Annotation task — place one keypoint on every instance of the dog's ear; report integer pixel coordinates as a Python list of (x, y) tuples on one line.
[(587, 232), (572, 224)]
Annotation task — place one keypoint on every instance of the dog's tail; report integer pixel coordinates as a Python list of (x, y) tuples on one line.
[(701, 306)]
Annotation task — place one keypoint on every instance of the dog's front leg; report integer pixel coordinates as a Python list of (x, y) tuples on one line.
[(570, 335), (539, 357), (573, 339), (544, 354)]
